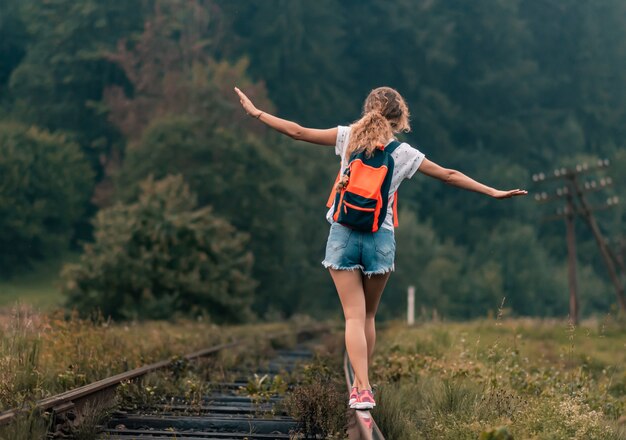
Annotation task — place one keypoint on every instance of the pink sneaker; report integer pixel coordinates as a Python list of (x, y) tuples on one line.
[(365, 400), (354, 395)]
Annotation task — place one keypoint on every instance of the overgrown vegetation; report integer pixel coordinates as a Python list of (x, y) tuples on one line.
[(42, 355), (314, 393), (318, 398), (523, 378), (191, 381), (163, 256)]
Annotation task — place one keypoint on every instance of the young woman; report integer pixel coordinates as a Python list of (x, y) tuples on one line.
[(360, 262)]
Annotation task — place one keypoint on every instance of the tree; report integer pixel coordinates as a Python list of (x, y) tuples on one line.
[(13, 40), (42, 193), (163, 255), (170, 71), (306, 67), (60, 80)]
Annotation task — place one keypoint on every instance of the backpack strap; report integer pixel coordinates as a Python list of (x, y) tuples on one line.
[(333, 193), (391, 146), (395, 209)]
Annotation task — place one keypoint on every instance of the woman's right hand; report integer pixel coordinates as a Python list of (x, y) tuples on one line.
[(497, 194), (247, 104)]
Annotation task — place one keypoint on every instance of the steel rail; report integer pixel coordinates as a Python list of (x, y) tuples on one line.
[(367, 427), (67, 400)]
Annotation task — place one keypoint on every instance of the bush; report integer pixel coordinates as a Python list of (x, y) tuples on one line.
[(46, 183), (317, 402), (162, 255)]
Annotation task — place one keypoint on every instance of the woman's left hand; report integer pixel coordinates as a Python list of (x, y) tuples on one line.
[(510, 193), (247, 104)]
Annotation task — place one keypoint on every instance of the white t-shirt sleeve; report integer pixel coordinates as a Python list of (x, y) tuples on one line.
[(343, 133), (408, 159)]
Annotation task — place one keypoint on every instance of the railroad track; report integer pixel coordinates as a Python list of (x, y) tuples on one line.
[(68, 409), (223, 413)]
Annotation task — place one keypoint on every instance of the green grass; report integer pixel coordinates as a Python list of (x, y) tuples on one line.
[(39, 287), (524, 378)]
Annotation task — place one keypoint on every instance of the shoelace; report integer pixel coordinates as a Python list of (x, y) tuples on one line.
[(366, 396)]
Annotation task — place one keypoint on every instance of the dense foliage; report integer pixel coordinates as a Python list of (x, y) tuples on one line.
[(498, 89), (42, 193), (162, 255)]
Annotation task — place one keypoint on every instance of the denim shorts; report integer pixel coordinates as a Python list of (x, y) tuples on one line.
[(371, 252)]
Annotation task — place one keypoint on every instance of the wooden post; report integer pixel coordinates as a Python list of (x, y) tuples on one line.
[(621, 253), (410, 313), (574, 312)]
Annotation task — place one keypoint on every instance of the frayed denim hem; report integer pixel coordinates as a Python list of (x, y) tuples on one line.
[(380, 271), (369, 273), (328, 265)]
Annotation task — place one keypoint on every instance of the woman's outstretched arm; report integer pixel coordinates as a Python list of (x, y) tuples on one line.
[(291, 129), (456, 178)]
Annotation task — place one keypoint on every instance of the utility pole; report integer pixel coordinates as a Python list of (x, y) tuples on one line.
[(574, 311), (604, 249), (573, 191), (569, 214), (620, 253)]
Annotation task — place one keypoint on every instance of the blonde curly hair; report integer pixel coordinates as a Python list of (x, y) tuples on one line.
[(384, 113)]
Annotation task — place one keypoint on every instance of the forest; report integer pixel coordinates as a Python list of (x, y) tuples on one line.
[(122, 143)]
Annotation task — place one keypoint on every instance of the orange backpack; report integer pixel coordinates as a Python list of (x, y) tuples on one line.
[(362, 203)]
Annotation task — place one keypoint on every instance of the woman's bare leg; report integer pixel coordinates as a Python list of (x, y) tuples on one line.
[(373, 288), (350, 289)]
